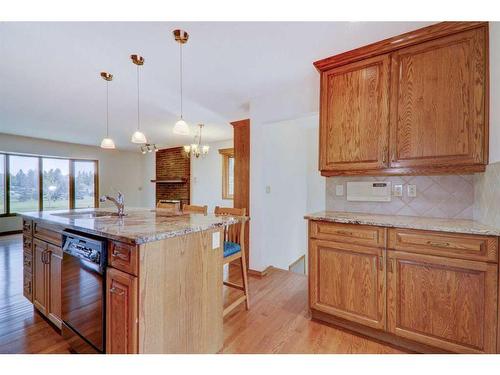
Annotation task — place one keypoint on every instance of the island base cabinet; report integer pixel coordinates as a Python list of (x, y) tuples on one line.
[(121, 313), (348, 281), (442, 302)]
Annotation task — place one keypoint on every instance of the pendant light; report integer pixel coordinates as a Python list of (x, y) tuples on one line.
[(107, 142), (181, 37), (138, 136)]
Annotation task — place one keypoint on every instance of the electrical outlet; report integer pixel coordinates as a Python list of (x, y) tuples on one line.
[(397, 190), (215, 240), (339, 190), (268, 189), (412, 191)]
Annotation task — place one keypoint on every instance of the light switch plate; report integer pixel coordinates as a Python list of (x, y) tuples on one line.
[(215, 240), (412, 191), (339, 190), (268, 189), (397, 190)]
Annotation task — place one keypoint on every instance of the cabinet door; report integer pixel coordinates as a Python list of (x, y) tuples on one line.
[(54, 258), (438, 102), (121, 313), (348, 281), (442, 302), (39, 277), (355, 116)]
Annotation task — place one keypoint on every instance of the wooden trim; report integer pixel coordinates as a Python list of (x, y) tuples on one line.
[(226, 154), (241, 199), (302, 257), (465, 169), (253, 273), (397, 42), (72, 197)]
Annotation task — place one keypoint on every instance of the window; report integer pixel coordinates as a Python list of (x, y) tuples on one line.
[(2, 184), (33, 183), (227, 173), (55, 184), (84, 184), (24, 183)]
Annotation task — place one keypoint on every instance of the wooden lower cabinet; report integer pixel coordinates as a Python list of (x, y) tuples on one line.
[(121, 314), (432, 303), (442, 302), (348, 281), (39, 276), (47, 260)]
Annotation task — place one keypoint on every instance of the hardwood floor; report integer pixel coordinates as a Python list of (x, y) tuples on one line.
[(277, 321)]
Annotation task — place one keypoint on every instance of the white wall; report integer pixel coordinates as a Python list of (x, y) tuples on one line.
[(118, 170), (206, 178), (284, 158)]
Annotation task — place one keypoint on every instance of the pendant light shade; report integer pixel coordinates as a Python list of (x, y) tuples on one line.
[(181, 37), (138, 137), (181, 127), (107, 142)]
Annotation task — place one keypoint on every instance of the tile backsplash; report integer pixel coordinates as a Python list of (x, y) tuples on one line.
[(487, 195), (437, 196)]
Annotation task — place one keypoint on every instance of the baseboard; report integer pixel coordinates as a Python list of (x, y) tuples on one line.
[(11, 232), (259, 274), (251, 272), (374, 334)]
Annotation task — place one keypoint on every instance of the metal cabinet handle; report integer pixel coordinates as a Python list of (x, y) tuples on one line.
[(438, 244), (119, 255), (344, 232), (381, 263), (116, 291)]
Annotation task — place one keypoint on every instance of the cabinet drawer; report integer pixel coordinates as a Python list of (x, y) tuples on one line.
[(462, 246), (48, 233), (27, 244), (28, 286), (27, 227), (124, 257), (351, 233)]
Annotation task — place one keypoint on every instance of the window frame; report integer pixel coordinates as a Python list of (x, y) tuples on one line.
[(226, 154), (40, 158)]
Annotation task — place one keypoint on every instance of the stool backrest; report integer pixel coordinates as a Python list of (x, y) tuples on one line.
[(192, 209), (236, 232)]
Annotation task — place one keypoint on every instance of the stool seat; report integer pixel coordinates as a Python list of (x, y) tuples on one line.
[(231, 248)]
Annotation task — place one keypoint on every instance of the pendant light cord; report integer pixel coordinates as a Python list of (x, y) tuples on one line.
[(138, 104), (180, 68), (107, 109)]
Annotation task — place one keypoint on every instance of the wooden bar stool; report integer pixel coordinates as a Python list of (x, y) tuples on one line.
[(192, 209), (234, 248)]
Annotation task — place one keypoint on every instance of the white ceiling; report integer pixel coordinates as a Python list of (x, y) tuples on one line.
[(50, 85)]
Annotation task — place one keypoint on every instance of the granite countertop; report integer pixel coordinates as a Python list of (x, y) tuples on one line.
[(138, 226), (411, 222)]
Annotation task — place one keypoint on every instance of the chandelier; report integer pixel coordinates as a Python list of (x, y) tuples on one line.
[(197, 149)]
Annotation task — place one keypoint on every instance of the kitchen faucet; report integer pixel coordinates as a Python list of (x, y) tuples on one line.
[(119, 202)]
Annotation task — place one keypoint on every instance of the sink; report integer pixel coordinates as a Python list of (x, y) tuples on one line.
[(86, 215)]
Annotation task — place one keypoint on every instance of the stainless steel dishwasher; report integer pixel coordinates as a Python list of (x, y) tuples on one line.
[(83, 283)]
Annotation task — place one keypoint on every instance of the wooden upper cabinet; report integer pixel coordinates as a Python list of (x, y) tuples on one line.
[(412, 104), (438, 102), (355, 116)]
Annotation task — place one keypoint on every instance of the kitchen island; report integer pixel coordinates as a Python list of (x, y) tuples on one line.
[(162, 288)]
